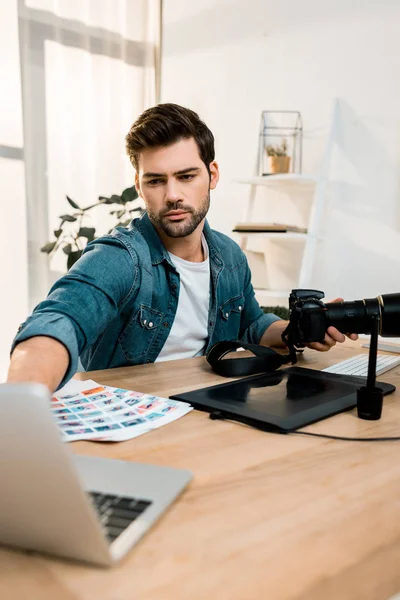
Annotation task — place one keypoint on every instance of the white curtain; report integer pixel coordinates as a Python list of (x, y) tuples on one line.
[(88, 68)]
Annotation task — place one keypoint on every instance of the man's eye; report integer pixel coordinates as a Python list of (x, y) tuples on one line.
[(187, 177), (154, 181)]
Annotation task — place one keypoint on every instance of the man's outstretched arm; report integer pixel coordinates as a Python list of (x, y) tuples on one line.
[(78, 308), (39, 359)]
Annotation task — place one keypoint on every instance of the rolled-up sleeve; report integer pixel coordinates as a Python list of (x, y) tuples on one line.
[(255, 331), (254, 322), (56, 326), (81, 304)]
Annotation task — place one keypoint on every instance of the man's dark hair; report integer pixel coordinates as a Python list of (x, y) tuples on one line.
[(166, 124)]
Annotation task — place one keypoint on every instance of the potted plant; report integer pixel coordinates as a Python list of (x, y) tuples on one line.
[(279, 161), (279, 311), (75, 230)]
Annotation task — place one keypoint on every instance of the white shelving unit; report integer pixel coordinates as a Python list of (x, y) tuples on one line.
[(273, 180), (288, 183), (302, 245), (294, 235)]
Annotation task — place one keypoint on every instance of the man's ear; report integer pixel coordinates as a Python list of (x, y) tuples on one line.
[(214, 174)]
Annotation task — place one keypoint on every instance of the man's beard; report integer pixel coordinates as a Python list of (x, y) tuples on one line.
[(177, 229)]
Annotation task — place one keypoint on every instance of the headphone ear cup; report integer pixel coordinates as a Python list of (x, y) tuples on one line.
[(265, 360)]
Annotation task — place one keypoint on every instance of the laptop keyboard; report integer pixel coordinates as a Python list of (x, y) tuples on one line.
[(116, 513)]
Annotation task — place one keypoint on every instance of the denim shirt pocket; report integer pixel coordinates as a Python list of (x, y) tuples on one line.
[(230, 317), (140, 333)]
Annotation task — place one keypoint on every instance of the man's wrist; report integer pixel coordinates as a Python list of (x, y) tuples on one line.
[(272, 336), (39, 360)]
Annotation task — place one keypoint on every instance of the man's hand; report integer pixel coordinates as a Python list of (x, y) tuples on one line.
[(332, 336)]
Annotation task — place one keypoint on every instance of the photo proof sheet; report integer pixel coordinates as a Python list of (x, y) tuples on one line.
[(85, 410)]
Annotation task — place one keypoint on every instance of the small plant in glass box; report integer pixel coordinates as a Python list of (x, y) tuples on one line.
[(279, 161)]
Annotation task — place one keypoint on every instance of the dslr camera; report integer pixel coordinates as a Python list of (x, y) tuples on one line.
[(310, 317)]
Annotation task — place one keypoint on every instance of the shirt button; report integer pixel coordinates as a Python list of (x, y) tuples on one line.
[(239, 308), (150, 324), (166, 324), (173, 286), (227, 315), (145, 322)]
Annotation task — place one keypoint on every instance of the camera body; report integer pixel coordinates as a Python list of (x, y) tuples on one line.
[(307, 316)]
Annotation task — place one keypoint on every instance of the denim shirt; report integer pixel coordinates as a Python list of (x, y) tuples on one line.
[(117, 304)]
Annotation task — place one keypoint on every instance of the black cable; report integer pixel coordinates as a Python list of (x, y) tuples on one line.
[(218, 415), (348, 439)]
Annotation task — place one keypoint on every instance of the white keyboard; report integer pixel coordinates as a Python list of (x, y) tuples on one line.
[(358, 365)]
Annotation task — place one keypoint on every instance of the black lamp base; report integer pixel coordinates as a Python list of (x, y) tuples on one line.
[(369, 403)]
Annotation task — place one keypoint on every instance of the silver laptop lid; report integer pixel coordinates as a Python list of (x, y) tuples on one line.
[(42, 505)]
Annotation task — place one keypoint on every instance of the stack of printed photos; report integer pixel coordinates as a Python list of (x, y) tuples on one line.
[(85, 410)]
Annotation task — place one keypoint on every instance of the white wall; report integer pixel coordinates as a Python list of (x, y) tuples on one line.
[(229, 60)]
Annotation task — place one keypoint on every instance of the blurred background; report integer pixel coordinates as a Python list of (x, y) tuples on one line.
[(75, 74)]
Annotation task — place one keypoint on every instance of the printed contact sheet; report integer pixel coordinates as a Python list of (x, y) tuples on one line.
[(85, 410)]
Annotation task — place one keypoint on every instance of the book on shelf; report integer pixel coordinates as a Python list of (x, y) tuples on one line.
[(268, 228)]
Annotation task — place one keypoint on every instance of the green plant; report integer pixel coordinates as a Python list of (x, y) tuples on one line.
[(279, 311), (278, 150), (74, 230)]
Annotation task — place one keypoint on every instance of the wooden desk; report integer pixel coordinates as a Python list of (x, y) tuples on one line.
[(266, 517)]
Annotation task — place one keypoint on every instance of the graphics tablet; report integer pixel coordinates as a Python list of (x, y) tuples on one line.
[(284, 400)]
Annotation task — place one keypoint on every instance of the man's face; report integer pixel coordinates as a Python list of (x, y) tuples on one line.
[(175, 186)]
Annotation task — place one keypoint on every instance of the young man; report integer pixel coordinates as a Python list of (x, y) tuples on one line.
[(167, 287)]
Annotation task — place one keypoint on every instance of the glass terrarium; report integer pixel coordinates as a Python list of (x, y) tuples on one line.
[(280, 142)]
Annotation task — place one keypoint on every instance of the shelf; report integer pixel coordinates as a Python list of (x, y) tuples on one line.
[(293, 235), (272, 297), (272, 293), (263, 241), (279, 179), (250, 227)]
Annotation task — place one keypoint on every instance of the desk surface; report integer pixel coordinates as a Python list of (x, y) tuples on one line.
[(267, 516)]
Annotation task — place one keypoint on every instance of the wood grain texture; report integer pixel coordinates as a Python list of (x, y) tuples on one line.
[(267, 516)]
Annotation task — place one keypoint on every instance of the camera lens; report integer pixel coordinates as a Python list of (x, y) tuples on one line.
[(355, 316), (348, 316), (390, 304)]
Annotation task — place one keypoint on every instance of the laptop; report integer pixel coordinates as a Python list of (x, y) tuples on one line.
[(78, 507)]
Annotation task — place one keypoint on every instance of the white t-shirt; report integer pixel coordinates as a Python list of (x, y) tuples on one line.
[(189, 332)]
